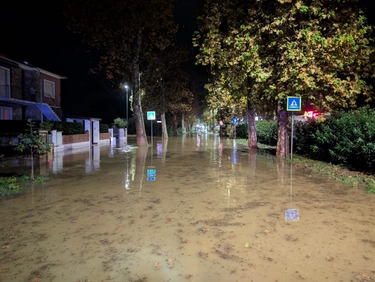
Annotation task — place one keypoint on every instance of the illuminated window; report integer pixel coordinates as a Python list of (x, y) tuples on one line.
[(49, 89), (6, 113)]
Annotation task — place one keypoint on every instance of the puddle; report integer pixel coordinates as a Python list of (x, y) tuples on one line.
[(192, 209)]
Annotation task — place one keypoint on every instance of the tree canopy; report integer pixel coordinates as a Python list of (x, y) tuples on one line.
[(127, 34), (268, 50)]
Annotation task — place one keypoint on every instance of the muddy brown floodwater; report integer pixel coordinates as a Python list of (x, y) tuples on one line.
[(195, 208)]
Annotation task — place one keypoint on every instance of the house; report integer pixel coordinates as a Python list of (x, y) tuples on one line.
[(28, 92)]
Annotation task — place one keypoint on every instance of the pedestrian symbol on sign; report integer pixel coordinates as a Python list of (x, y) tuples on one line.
[(150, 115), (293, 104)]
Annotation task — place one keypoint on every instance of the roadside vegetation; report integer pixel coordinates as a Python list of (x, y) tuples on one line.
[(342, 146), (258, 53), (29, 143), (15, 185)]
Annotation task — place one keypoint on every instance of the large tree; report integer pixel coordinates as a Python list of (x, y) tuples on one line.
[(167, 84), (127, 34), (231, 51), (319, 50)]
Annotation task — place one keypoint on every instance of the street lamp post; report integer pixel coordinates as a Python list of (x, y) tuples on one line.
[(127, 100), (40, 88)]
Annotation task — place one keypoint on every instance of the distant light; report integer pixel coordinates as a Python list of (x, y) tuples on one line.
[(311, 114)]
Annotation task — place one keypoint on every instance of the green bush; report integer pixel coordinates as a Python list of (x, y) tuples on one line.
[(267, 132), (346, 138), (14, 185), (120, 123), (309, 139), (103, 128), (67, 128), (241, 130)]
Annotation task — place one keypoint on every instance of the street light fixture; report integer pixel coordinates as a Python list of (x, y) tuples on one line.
[(40, 88)]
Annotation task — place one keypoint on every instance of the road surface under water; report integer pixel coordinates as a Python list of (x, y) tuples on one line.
[(195, 208)]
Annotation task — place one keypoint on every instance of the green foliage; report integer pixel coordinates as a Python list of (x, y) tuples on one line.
[(103, 128), (129, 34), (264, 51), (241, 130), (67, 128), (47, 125), (31, 141), (14, 185), (120, 123), (8, 186), (267, 132), (347, 139), (305, 139), (9, 183), (370, 187)]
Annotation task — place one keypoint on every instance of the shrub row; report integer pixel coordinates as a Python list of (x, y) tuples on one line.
[(346, 138), (67, 128), (267, 132)]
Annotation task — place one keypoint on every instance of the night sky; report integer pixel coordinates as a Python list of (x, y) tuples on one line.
[(35, 31)]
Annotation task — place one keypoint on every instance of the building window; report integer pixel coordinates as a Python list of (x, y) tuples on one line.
[(49, 89), (4, 83), (6, 113)]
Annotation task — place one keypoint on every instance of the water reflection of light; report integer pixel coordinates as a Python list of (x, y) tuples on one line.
[(127, 180), (159, 149), (96, 156), (57, 163), (234, 155), (93, 162)]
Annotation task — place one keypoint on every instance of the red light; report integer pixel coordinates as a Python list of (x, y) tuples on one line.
[(311, 114)]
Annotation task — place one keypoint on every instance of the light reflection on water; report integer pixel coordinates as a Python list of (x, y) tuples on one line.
[(194, 208)]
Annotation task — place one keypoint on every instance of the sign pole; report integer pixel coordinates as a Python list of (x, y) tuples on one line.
[(151, 116), (293, 105), (291, 138), (151, 136)]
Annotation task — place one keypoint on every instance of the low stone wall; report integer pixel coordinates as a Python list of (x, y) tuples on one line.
[(105, 136), (78, 138), (75, 138)]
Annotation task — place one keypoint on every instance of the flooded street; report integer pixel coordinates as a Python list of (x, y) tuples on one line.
[(192, 209)]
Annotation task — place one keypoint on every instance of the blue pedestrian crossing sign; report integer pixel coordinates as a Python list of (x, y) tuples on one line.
[(293, 104), (151, 172), (151, 116)]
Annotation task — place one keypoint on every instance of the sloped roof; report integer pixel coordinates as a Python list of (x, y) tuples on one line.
[(28, 67)]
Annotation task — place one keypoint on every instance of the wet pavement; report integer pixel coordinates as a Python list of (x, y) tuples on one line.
[(195, 208)]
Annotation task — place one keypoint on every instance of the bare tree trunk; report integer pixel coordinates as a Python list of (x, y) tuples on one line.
[(164, 131), (174, 125), (138, 114), (252, 132), (282, 131)]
